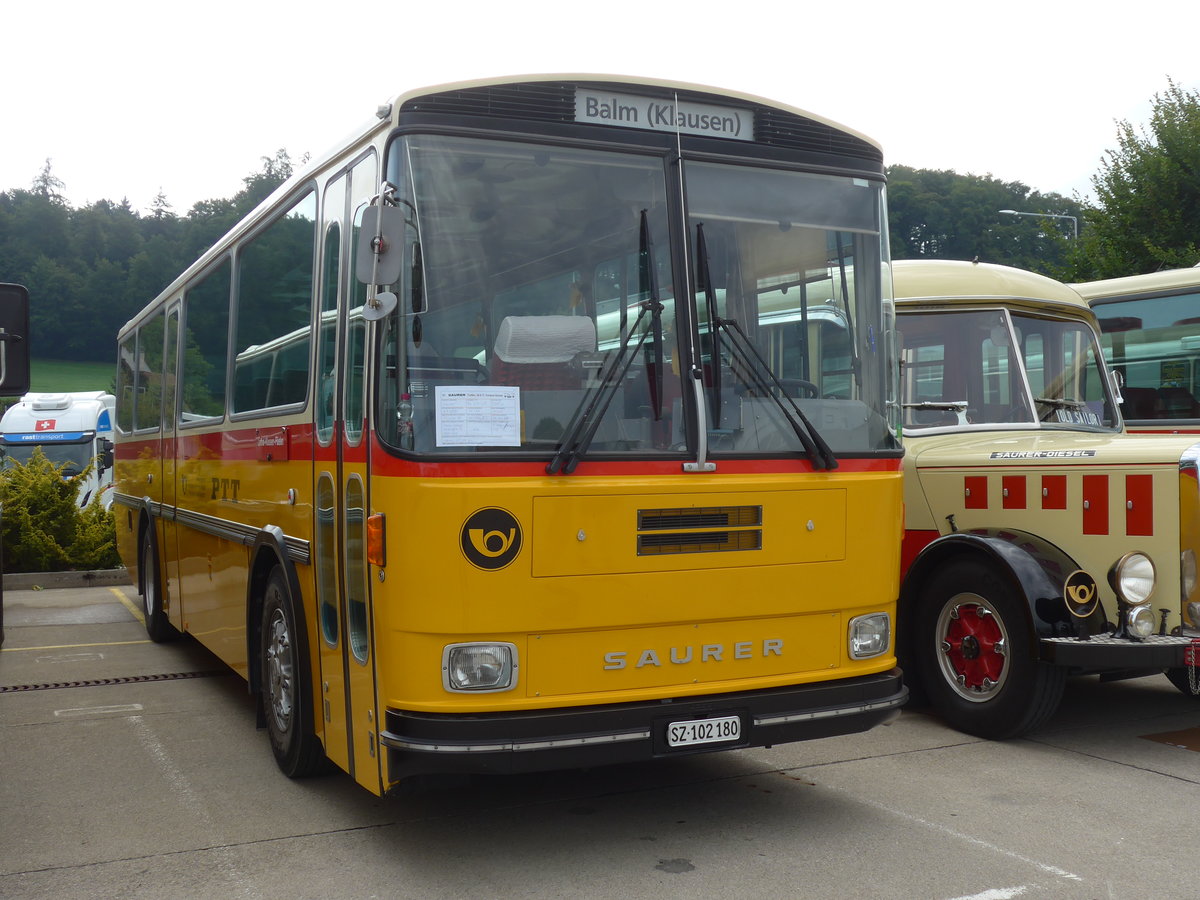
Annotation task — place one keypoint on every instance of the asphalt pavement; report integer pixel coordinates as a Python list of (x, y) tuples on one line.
[(130, 769)]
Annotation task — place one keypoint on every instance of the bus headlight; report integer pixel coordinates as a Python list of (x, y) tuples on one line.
[(1140, 621), (870, 635), (479, 667), (1132, 578)]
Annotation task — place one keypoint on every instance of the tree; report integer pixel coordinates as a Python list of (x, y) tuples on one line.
[(47, 186), (1148, 194), (944, 215)]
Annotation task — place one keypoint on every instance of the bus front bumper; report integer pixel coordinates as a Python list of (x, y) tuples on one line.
[(585, 736), (1102, 652)]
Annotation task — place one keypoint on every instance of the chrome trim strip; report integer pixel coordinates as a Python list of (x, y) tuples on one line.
[(398, 743), (298, 550), (890, 703)]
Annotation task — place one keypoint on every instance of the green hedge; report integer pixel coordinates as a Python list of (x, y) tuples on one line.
[(44, 529)]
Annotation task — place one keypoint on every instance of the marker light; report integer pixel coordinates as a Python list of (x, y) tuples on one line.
[(479, 668), (1140, 621)]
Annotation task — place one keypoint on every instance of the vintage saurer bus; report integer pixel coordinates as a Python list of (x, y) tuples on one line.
[(548, 422), (1150, 331), (1041, 539)]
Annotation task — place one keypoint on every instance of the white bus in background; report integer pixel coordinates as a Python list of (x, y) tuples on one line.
[(73, 430)]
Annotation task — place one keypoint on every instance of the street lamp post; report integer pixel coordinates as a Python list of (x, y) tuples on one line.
[(1074, 220)]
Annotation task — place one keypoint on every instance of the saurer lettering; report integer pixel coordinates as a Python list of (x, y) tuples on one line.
[(704, 653)]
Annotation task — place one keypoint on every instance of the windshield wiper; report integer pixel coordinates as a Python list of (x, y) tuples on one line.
[(958, 407), (588, 415), (743, 348)]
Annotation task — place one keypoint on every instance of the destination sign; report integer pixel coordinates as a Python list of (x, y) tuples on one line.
[(661, 114)]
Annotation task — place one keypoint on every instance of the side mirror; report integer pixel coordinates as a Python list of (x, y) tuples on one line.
[(14, 340), (379, 257), (106, 455)]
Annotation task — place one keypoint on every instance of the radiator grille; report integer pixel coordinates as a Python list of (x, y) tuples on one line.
[(672, 531)]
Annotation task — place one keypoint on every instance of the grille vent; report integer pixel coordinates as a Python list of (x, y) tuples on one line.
[(725, 528), (554, 101)]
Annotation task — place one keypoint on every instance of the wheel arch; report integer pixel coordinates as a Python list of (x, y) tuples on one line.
[(1030, 565), (269, 550), (146, 524)]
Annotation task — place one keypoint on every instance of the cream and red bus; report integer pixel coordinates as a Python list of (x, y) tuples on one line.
[(1042, 540), (1150, 331), (546, 423)]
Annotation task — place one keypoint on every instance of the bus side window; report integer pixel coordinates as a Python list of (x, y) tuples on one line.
[(274, 303)]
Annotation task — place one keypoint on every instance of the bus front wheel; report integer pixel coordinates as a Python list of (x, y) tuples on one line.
[(286, 695), (975, 658)]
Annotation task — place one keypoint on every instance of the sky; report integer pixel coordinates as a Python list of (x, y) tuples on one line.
[(130, 98)]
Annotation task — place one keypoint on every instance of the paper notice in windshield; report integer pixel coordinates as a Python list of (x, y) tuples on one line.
[(478, 416)]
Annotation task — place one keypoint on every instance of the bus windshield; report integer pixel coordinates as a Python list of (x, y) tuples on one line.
[(538, 305), (999, 368), (1154, 342)]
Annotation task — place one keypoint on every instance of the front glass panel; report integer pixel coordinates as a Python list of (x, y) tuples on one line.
[(535, 267), (538, 306), (1154, 342), (995, 368), (787, 274)]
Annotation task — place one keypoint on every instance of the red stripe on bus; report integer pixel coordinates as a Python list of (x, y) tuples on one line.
[(385, 464), (915, 541)]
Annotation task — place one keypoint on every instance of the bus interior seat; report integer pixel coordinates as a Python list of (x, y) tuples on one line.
[(1140, 403), (534, 352), (1178, 403)]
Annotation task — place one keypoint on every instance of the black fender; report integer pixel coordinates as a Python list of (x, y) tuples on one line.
[(268, 550), (1033, 567)]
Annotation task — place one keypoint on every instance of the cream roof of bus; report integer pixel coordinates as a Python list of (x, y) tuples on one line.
[(633, 81), (1166, 282), (916, 280)]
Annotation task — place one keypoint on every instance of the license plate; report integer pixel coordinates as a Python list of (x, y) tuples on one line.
[(704, 731)]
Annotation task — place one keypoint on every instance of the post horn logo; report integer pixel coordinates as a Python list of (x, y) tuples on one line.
[(490, 538), (1081, 594)]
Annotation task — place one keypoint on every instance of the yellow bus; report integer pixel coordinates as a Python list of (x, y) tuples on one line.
[(1042, 540), (1150, 329), (546, 423)]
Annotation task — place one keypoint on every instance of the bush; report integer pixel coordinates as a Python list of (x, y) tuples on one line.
[(44, 530)]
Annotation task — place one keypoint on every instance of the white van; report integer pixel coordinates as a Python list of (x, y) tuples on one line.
[(72, 429)]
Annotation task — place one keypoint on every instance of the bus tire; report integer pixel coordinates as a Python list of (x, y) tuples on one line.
[(158, 626), (1185, 683), (286, 695), (974, 655)]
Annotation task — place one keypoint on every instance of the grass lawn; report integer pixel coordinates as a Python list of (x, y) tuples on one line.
[(53, 375)]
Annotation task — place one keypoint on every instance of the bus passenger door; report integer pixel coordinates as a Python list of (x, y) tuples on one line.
[(327, 540), (347, 684), (353, 465), (168, 549)]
